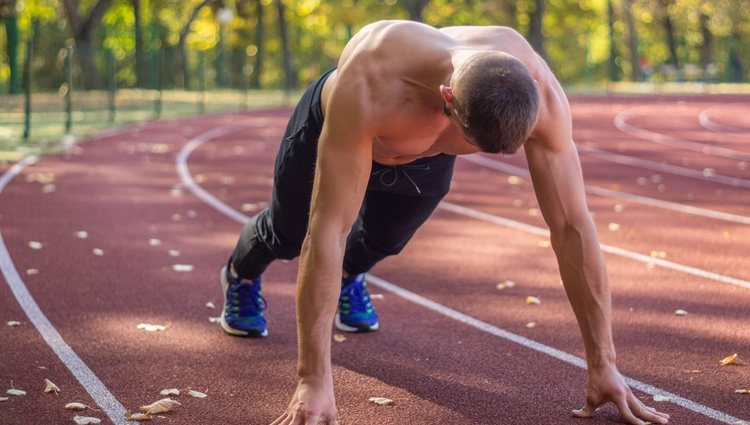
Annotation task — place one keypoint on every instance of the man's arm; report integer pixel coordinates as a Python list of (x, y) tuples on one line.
[(343, 169), (558, 183)]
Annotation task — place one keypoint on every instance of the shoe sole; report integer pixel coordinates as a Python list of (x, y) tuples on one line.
[(224, 325), (346, 328)]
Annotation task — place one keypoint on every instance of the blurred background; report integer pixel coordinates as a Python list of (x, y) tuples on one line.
[(71, 66)]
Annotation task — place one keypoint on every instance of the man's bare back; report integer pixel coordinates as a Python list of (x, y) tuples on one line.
[(408, 62)]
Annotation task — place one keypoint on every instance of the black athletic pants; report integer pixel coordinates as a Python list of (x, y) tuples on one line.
[(398, 200)]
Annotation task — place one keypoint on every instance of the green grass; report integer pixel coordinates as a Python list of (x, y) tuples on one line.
[(91, 113)]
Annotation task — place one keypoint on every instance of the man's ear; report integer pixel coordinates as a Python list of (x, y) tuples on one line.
[(447, 93)]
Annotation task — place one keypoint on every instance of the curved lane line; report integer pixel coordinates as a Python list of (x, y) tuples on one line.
[(614, 194), (85, 376), (704, 118), (663, 167), (621, 122), (184, 173)]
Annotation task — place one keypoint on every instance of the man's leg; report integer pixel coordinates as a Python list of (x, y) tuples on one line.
[(390, 215), (276, 232)]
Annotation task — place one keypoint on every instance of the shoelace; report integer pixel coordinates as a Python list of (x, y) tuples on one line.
[(354, 297), (246, 299), (382, 173)]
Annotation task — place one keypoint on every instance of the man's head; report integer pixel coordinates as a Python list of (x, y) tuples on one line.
[(495, 101)]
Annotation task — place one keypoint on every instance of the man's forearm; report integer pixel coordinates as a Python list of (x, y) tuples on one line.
[(584, 276), (318, 288)]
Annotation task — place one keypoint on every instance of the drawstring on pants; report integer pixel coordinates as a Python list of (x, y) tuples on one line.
[(395, 169)]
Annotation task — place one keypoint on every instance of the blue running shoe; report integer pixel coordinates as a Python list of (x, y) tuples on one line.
[(355, 313), (243, 306)]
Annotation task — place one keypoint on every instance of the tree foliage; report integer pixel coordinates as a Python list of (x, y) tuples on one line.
[(183, 43)]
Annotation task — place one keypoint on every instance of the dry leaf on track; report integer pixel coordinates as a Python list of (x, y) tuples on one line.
[(77, 406), (182, 267), (742, 391), (32, 272), (505, 285), (50, 387), (381, 401), (533, 300), (161, 406), (531, 325), (15, 392), (339, 338), (210, 305), (197, 394), (82, 234), (35, 245), (728, 360), (86, 420), (680, 312), (13, 323), (659, 397), (140, 417), (170, 391), (98, 252), (4, 399), (148, 327), (154, 242)]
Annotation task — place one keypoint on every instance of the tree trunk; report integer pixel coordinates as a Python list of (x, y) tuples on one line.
[(259, 43), (512, 11), (8, 14), (140, 54), (289, 79), (707, 44), (669, 29), (182, 42), (635, 60), (535, 36), (84, 34), (613, 71), (415, 9)]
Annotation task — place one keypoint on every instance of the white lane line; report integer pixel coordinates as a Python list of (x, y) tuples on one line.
[(621, 122), (704, 175), (215, 203), (704, 118), (544, 349), (85, 376), (614, 194), (609, 249)]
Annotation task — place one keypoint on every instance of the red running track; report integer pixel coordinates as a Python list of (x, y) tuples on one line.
[(675, 233)]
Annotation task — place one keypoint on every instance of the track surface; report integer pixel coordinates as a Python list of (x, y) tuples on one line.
[(668, 182)]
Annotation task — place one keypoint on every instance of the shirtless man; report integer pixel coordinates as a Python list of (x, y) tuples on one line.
[(403, 101)]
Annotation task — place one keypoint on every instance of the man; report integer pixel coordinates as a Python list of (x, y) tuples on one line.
[(367, 156)]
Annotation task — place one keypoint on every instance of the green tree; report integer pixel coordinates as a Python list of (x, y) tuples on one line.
[(84, 27)]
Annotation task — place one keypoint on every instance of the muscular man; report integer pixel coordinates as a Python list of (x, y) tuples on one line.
[(366, 158)]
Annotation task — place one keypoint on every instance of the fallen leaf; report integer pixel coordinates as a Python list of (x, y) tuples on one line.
[(140, 417), (506, 284), (86, 420), (174, 253), (658, 254), (544, 243), (249, 207), (742, 391), (15, 392), (709, 172), (613, 227), (154, 242), (4, 399), (48, 188), (680, 312), (182, 267), (13, 323), (170, 391), (377, 296), (98, 252), (32, 272), (176, 217), (659, 397), (82, 234), (533, 300), (192, 214), (531, 325), (175, 192), (210, 305), (214, 319), (619, 208), (76, 406), (693, 371), (35, 245), (197, 394), (339, 338), (728, 360), (514, 180), (148, 327), (50, 387), (163, 405), (381, 401)]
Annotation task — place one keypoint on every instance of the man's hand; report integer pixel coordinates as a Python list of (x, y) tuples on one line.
[(312, 404), (605, 384)]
